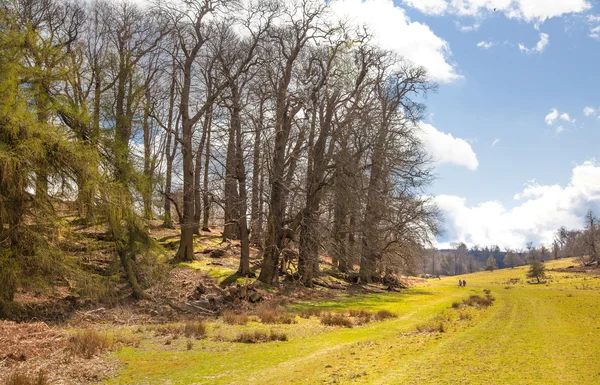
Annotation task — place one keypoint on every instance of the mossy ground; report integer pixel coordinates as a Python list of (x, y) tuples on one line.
[(533, 334)]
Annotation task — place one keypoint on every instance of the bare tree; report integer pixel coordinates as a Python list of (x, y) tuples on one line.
[(590, 239), (395, 153), (193, 32), (288, 41)]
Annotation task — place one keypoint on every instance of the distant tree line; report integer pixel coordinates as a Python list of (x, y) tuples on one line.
[(583, 244)]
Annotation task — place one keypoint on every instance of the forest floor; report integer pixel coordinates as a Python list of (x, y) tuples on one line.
[(430, 333)]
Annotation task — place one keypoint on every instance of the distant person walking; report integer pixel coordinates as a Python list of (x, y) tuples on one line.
[(460, 282), (464, 283)]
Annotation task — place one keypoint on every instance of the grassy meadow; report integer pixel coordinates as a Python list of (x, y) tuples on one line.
[(532, 334)]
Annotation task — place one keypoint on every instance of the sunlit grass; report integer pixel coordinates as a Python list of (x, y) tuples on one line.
[(206, 266), (532, 334)]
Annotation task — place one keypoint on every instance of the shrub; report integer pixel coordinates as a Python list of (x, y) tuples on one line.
[(275, 336), (267, 315), (479, 302), (362, 316), (335, 319), (251, 337), (260, 336), (359, 313), (17, 378), (134, 341), (434, 326), (287, 318), (384, 314), (167, 330), (465, 315), (273, 315), (310, 312), (230, 317), (87, 343), (194, 329), (189, 345)]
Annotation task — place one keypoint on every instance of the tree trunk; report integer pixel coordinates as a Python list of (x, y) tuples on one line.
[(147, 186), (340, 212), (256, 173), (231, 193), (261, 206), (123, 126), (167, 219), (186, 245), (318, 160), (205, 194), (240, 174), (86, 187), (198, 170), (370, 252), (171, 137), (268, 273)]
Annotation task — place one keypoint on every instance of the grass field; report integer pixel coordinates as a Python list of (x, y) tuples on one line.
[(533, 334)]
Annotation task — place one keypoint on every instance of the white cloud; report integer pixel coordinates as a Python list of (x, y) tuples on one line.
[(485, 44), (593, 20), (589, 111), (446, 149), (551, 117), (430, 7), (467, 28), (532, 11), (391, 26), (495, 142), (539, 211), (554, 115), (539, 47)]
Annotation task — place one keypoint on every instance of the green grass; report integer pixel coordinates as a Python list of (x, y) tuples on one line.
[(532, 334), (204, 265)]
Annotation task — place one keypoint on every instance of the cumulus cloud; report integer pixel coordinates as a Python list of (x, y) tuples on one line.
[(564, 116), (551, 117), (559, 129), (391, 26), (539, 47), (446, 149), (485, 44), (589, 111), (532, 11), (538, 212)]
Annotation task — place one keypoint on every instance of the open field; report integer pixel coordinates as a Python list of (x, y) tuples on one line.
[(532, 334)]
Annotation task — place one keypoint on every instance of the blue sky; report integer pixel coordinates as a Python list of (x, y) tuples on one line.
[(516, 151), (505, 94)]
